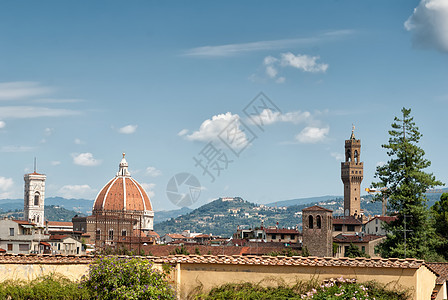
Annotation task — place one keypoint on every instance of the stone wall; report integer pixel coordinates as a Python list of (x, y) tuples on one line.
[(201, 273)]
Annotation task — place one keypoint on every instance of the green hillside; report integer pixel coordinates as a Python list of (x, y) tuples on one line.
[(223, 217), (52, 213)]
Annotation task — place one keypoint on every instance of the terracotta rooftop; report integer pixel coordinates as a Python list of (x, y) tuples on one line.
[(153, 234), (23, 222), (176, 236), (441, 269), (310, 261), (386, 219), (282, 230), (2, 250), (316, 207), (346, 221), (58, 236), (352, 238), (55, 223)]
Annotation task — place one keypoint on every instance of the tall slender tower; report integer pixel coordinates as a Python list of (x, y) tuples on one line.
[(352, 175), (34, 198)]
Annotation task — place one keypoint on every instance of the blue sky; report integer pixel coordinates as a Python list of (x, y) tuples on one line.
[(81, 82)]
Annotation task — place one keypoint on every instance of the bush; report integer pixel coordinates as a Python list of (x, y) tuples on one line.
[(47, 287), (112, 277), (333, 289)]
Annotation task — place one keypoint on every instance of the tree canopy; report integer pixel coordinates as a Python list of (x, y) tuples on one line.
[(404, 183)]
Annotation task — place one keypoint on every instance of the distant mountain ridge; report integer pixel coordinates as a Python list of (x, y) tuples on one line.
[(300, 201)]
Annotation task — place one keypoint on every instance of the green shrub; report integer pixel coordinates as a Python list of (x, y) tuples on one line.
[(332, 289), (112, 277), (47, 287)]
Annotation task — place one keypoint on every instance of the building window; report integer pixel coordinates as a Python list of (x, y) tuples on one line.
[(350, 227), (123, 232), (273, 236), (24, 247), (363, 248), (338, 227), (36, 198), (111, 234), (318, 222), (310, 222), (376, 221), (98, 234), (282, 236), (11, 231), (376, 229), (9, 247)]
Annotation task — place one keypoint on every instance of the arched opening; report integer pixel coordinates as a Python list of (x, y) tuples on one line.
[(98, 234), (348, 156), (310, 222), (36, 198), (356, 155), (318, 222), (38, 219), (111, 234)]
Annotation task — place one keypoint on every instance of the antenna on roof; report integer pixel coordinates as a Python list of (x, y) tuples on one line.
[(34, 164)]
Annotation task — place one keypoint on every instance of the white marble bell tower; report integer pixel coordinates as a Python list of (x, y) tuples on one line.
[(34, 198)]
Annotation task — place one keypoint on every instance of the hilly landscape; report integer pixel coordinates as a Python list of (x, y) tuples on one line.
[(222, 217)]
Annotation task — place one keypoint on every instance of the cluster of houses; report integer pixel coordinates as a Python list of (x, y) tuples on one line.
[(122, 216)]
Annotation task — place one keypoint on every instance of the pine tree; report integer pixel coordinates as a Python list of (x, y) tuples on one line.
[(405, 185)]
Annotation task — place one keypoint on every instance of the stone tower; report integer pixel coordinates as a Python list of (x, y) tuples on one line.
[(351, 175), (317, 230), (34, 198)]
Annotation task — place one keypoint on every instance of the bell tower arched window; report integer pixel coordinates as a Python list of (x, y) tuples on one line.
[(318, 222), (310, 222), (36, 198)]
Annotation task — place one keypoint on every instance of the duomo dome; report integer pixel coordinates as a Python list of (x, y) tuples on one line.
[(124, 194)]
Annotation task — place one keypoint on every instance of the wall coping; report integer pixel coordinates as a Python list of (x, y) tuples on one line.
[(311, 261)]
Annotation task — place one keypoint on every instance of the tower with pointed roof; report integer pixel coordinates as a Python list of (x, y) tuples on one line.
[(352, 175), (34, 199)]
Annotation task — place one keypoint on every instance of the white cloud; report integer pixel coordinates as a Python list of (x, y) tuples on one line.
[(429, 24), (153, 172), (2, 124), (5, 183), (23, 112), (182, 132), (268, 117), (16, 149), (78, 141), (337, 156), (48, 131), (77, 191), (236, 49), (85, 159), (303, 62), (64, 101), (55, 163), (311, 135), (149, 188), (22, 89), (128, 129), (210, 130)]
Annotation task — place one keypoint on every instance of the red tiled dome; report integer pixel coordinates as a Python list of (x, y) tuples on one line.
[(122, 193)]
